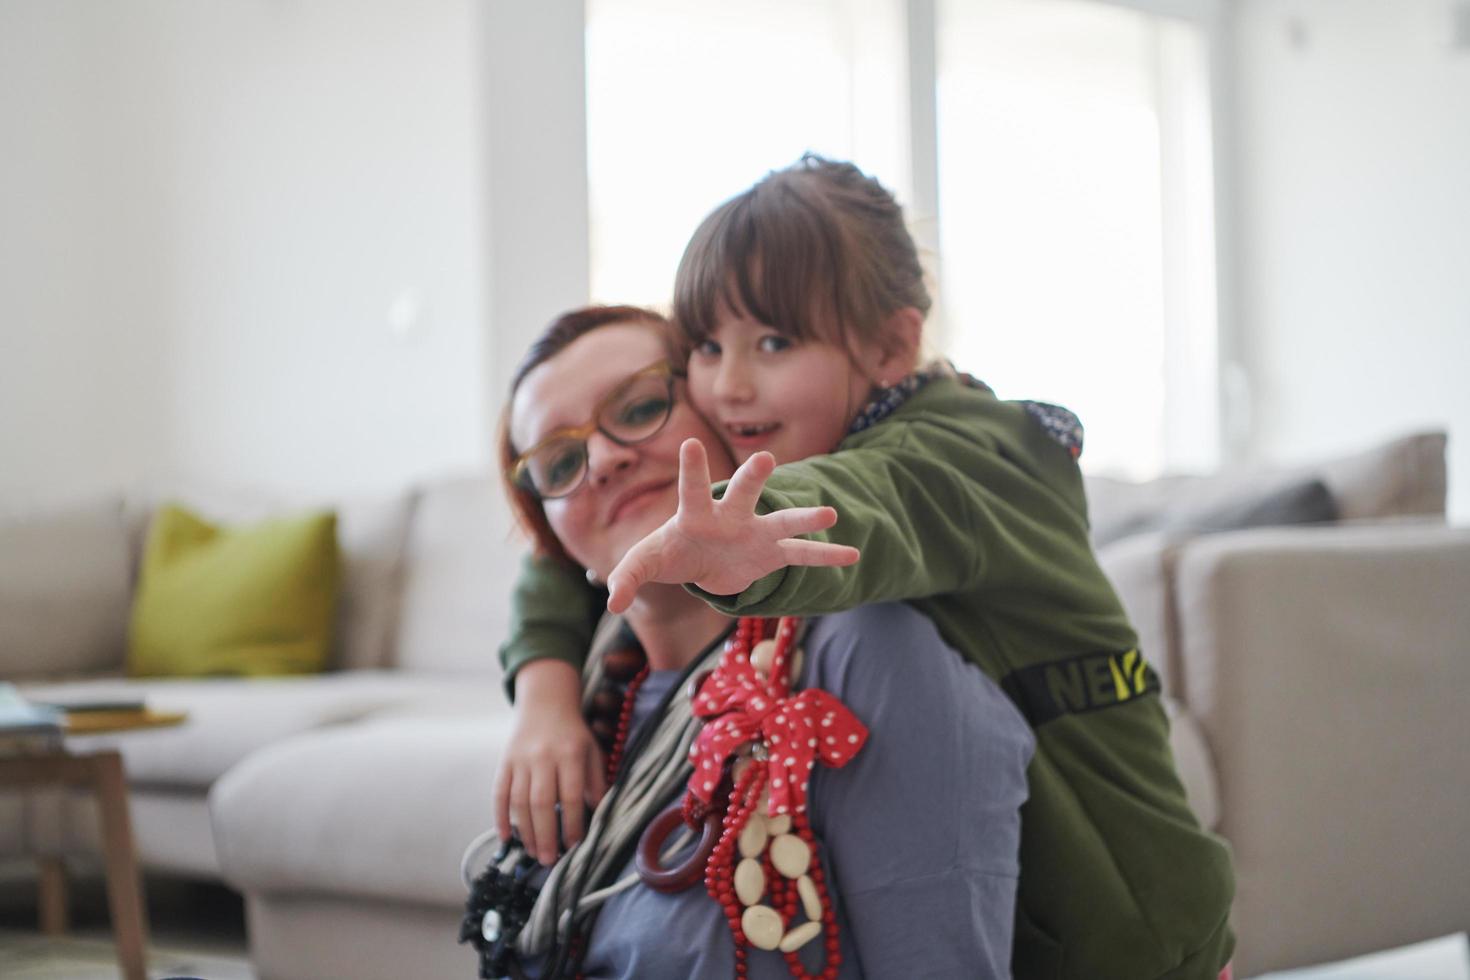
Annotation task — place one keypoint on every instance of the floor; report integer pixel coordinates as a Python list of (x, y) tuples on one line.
[(1438, 959), (199, 931)]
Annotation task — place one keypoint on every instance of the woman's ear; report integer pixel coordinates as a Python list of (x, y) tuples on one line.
[(903, 332)]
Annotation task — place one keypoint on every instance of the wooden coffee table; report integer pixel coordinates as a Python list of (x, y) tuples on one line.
[(101, 772)]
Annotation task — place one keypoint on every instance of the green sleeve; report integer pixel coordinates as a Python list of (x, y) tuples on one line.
[(553, 613), (935, 510)]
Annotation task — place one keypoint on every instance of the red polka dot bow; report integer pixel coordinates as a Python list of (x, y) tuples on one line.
[(795, 730)]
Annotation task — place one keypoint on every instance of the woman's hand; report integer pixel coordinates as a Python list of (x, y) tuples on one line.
[(551, 758), (723, 546)]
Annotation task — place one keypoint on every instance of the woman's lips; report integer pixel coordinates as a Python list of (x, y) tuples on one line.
[(635, 498)]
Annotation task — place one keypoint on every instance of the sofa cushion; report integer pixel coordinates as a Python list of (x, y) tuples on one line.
[(1401, 478), (64, 590), (378, 810), (373, 535), (462, 558), (231, 718), (244, 601), (1225, 504), (371, 532)]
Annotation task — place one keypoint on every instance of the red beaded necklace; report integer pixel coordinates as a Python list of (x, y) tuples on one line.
[(611, 710), (788, 893), (744, 802), (625, 716)]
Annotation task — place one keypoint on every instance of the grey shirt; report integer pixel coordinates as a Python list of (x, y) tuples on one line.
[(919, 833)]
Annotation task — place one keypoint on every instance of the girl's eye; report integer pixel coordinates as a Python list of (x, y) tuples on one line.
[(707, 348), (773, 343)]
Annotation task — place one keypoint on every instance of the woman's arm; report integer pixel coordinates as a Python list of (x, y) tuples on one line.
[(922, 828)]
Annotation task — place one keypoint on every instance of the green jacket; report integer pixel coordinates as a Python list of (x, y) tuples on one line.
[(964, 505)]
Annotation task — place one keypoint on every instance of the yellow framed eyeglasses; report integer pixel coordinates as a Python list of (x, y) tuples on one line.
[(633, 412)]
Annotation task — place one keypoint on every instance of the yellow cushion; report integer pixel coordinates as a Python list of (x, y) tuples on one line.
[(234, 601)]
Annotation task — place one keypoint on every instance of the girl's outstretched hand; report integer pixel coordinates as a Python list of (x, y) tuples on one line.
[(722, 546)]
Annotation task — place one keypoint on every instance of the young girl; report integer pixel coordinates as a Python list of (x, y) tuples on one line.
[(804, 300)]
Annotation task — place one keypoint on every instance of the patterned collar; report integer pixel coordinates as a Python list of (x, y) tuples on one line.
[(1060, 424), (885, 401)]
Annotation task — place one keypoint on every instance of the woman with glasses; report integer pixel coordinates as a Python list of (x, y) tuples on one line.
[(780, 800)]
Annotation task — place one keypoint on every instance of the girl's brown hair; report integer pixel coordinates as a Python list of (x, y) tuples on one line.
[(819, 242), (567, 327)]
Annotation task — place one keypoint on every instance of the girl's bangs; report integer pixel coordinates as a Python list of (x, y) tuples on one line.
[(757, 258)]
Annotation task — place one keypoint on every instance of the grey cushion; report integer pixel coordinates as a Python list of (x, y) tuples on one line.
[(1405, 477), (1231, 506)]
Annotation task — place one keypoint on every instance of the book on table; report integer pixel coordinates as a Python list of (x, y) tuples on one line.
[(26, 726), (87, 705)]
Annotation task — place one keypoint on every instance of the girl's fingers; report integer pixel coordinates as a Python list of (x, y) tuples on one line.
[(631, 574), (745, 487), (694, 485), (799, 552), (502, 803), (520, 810), (543, 815), (797, 520), (570, 782)]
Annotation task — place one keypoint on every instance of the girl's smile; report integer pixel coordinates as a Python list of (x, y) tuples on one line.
[(748, 438)]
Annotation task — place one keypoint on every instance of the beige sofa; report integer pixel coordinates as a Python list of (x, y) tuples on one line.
[(1317, 677), (427, 576), (1326, 670)]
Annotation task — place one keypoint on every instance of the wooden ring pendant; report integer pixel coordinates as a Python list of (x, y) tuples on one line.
[(686, 874)]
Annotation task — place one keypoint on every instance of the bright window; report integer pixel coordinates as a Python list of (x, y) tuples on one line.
[(689, 102), (1075, 220), (1074, 186)]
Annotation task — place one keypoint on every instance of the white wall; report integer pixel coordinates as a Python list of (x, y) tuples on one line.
[(1352, 141), (535, 90), (207, 211)]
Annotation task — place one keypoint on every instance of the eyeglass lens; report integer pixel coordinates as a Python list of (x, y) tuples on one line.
[(636, 412)]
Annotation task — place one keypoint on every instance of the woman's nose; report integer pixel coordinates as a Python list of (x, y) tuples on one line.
[(606, 457)]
